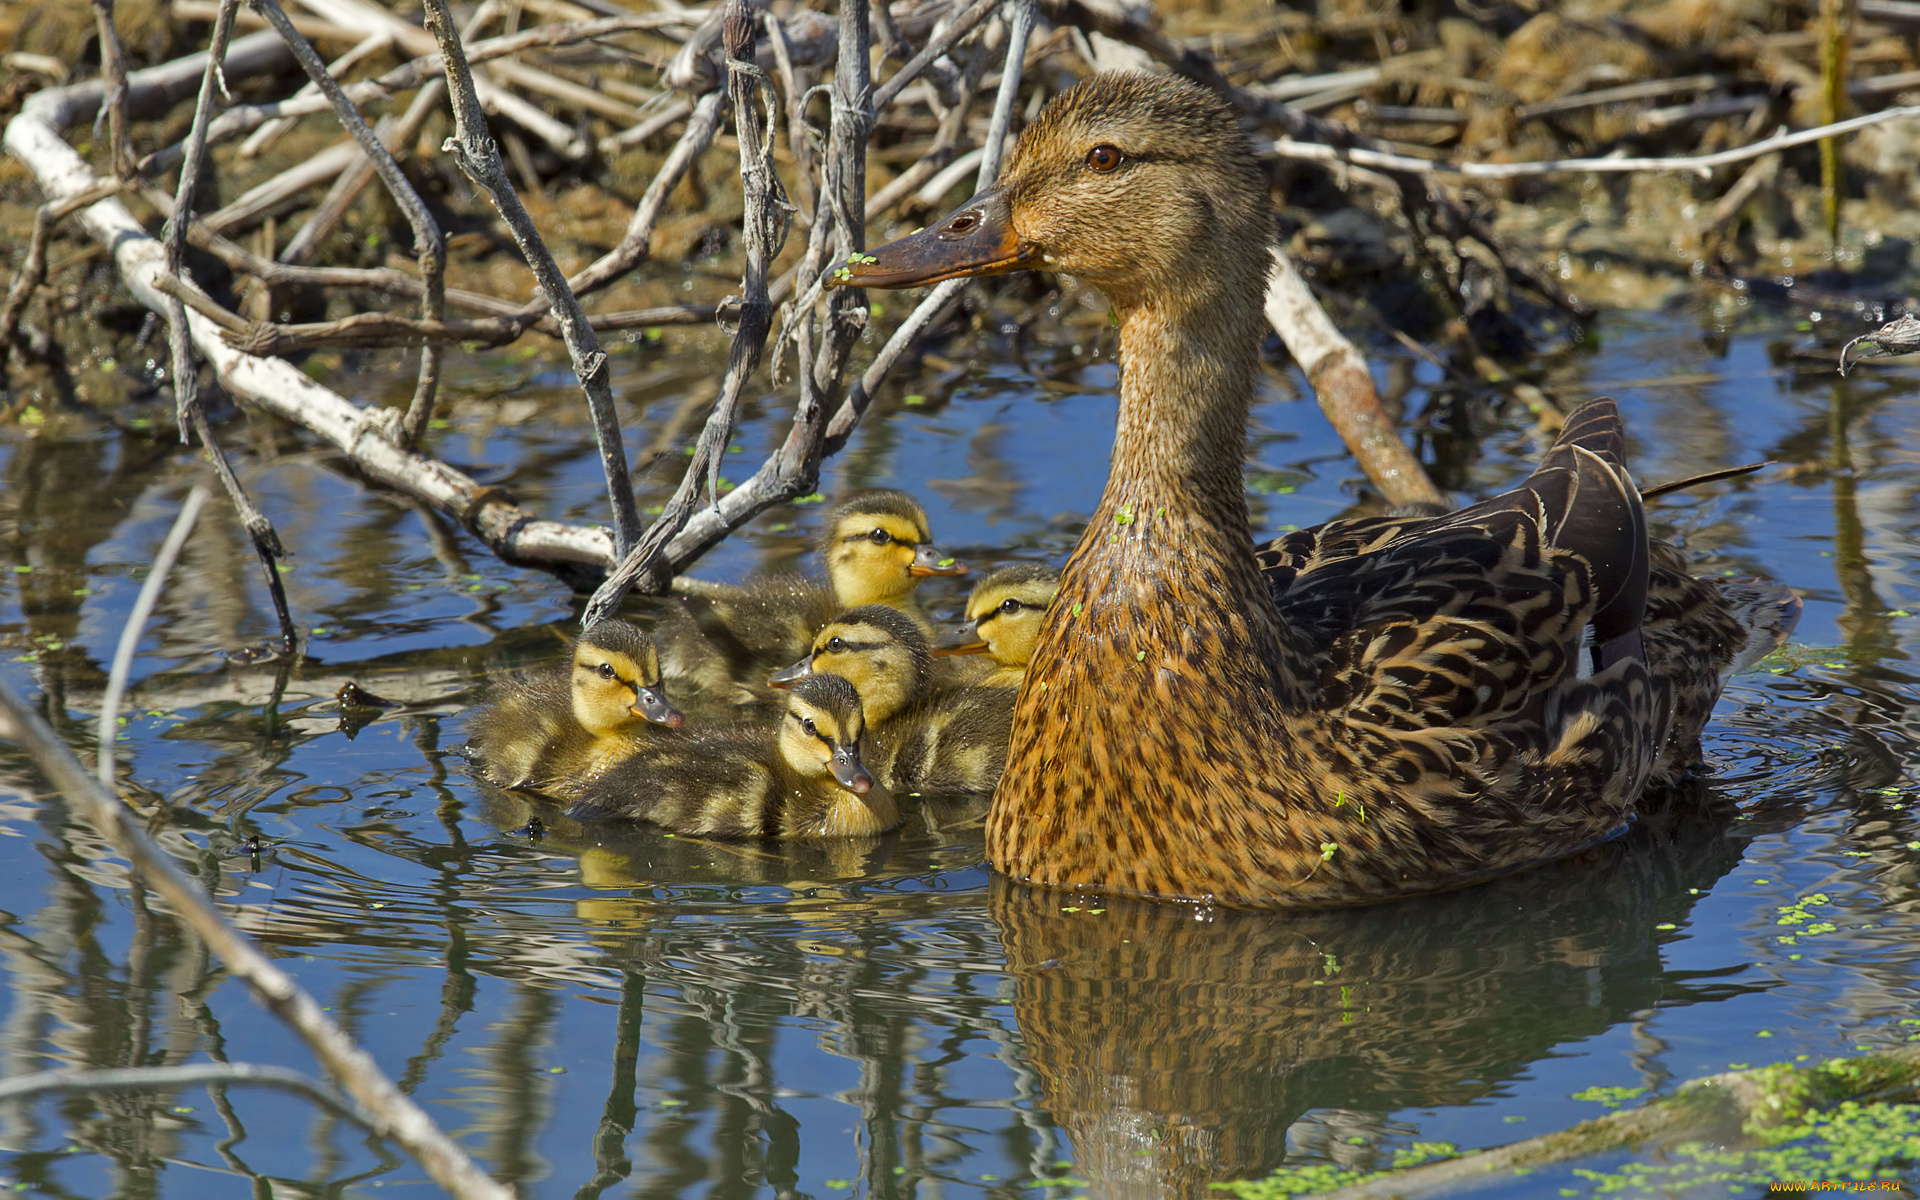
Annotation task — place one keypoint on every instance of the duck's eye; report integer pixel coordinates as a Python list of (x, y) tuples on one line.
[(880, 537), (1104, 157), (807, 724), (836, 645), (1011, 606), (607, 672)]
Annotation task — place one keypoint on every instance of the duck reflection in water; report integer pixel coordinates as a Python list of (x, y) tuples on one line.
[(1178, 1045)]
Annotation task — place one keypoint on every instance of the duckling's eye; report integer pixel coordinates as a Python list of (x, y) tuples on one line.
[(1011, 606), (836, 645), (1104, 157), (880, 537), (807, 724), (607, 672)]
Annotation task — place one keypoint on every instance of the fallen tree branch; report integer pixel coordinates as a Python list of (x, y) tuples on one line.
[(276, 386)]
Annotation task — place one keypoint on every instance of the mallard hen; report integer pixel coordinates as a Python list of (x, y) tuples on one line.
[(1416, 710), (554, 730), (1007, 609), (876, 547), (930, 735), (802, 778)]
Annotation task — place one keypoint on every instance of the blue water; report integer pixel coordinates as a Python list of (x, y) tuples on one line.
[(596, 1012)]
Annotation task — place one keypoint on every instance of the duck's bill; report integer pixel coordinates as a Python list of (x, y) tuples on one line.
[(976, 239), (789, 675), (929, 559), (649, 703), (847, 769), (963, 648)]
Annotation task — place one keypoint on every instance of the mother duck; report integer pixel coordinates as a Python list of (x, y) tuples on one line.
[(1370, 708)]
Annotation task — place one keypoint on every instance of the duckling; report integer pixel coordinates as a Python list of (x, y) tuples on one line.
[(876, 547), (554, 730), (1472, 694), (803, 778), (929, 736), (881, 650), (1007, 610)]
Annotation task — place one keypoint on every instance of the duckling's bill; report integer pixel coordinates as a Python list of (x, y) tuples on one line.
[(849, 771), (652, 705), (791, 674), (929, 559), (978, 238)]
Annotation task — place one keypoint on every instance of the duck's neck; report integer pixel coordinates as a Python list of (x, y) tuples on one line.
[(1172, 525)]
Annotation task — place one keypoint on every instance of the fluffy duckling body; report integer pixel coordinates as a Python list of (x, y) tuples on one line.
[(803, 778), (929, 737), (1408, 712), (877, 548), (553, 731), (1007, 610)]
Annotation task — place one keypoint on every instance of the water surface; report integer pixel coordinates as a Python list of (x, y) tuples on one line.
[(615, 1012)]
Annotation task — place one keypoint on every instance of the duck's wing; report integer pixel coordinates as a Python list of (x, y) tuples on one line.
[(1287, 557), (1460, 627), (1585, 504), (1479, 617), (1580, 498)]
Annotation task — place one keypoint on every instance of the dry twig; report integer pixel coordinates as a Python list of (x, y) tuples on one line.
[(473, 149)]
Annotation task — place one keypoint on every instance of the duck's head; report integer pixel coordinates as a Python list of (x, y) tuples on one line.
[(879, 649), (877, 547), (1007, 610), (616, 679), (1135, 183), (822, 732)]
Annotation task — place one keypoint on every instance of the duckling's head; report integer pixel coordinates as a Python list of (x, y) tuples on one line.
[(616, 679), (880, 650), (1135, 183), (822, 732), (877, 547), (1007, 610)]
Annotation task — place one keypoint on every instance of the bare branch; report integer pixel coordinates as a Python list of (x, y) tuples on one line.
[(189, 410), (113, 71), (474, 150), (1699, 164), (1344, 388), (429, 244)]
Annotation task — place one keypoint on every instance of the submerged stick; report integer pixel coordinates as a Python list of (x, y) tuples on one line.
[(397, 1117), (1760, 1102), (136, 625), (473, 148), (153, 1079)]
